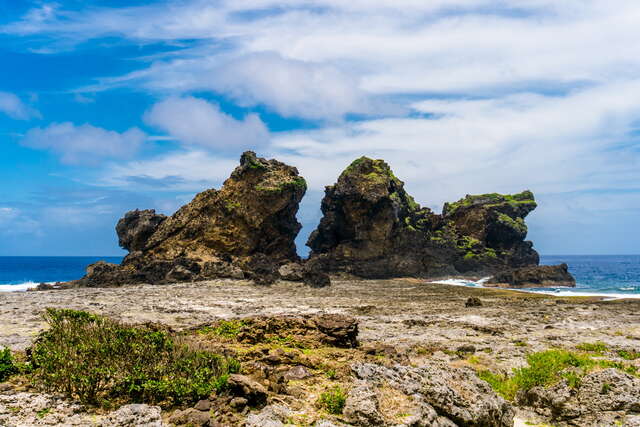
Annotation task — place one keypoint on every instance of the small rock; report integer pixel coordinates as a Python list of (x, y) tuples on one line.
[(238, 403), (270, 416), (291, 271), (243, 386), (297, 373), (466, 348), (473, 302), (203, 405), (314, 276)]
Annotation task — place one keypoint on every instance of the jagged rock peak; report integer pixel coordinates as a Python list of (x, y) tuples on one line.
[(219, 233), (368, 204)]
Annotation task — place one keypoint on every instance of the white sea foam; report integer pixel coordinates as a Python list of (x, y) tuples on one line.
[(552, 291), (18, 287)]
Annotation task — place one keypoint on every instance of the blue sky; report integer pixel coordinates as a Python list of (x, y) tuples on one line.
[(107, 106)]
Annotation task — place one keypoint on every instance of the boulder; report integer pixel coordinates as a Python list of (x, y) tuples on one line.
[(361, 407), (372, 228), (596, 395), (473, 302), (543, 276), (269, 416), (449, 396)]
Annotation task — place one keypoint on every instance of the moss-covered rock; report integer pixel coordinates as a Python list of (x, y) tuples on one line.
[(373, 228)]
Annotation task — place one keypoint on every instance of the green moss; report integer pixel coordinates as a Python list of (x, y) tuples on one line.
[(296, 183), (516, 224), (491, 200), (628, 355), (224, 328)]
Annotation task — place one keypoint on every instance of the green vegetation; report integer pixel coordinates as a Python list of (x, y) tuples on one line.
[(628, 354), (597, 347), (333, 400), (548, 367), (7, 364), (516, 224), (491, 200), (297, 182), (224, 328), (43, 412), (101, 361)]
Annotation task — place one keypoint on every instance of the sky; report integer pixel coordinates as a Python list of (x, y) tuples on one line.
[(113, 105)]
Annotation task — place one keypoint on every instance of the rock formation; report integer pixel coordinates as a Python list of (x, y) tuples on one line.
[(533, 277), (221, 233), (372, 228)]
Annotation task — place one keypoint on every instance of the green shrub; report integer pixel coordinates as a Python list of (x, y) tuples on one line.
[(333, 400), (546, 368), (98, 360), (7, 365)]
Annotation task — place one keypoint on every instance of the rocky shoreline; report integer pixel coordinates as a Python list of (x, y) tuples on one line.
[(403, 325)]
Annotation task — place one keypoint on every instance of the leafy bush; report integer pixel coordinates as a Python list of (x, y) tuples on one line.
[(7, 365), (98, 360), (333, 400)]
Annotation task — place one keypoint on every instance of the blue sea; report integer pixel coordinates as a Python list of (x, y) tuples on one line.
[(608, 275)]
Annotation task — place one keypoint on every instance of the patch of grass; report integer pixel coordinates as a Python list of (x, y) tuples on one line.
[(43, 412), (546, 368), (628, 354), (7, 364), (597, 347), (333, 400), (100, 361), (331, 374), (224, 328), (520, 343)]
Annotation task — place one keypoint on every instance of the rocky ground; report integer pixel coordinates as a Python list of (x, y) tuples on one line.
[(419, 344)]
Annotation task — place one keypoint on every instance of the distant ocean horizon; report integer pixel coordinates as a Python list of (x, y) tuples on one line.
[(615, 276)]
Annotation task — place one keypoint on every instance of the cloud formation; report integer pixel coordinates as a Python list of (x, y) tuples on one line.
[(195, 121), (12, 106), (84, 144)]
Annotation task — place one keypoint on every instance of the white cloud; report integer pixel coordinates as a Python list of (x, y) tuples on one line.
[(190, 171), (84, 144), (195, 121), (12, 106)]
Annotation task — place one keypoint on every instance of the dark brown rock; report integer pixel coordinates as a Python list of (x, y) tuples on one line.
[(243, 386), (372, 228), (534, 277), (473, 302), (314, 276), (135, 229)]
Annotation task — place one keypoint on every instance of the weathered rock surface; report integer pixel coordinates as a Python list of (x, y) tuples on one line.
[(135, 229), (601, 396), (31, 409), (220, 233), (446, 395), (372, 228), (534, 277)]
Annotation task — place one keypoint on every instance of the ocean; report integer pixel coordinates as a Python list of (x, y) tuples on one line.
[(615, 276)]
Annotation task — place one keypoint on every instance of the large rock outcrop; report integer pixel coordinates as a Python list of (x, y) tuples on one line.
[(372, 228), (220, 233)]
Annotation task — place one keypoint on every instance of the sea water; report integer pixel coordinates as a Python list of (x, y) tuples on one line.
[(21, 273), (615, 276)]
